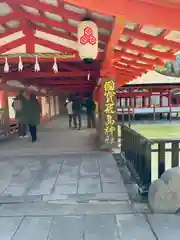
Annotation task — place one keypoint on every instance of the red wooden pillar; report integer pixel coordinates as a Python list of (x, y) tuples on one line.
[(161, 99), (4, 105), (126, 102), (2, 95), (169, 97), (150, 100), (130, 101), (48, 102), (143, 101), (54, 101), (135, 103)]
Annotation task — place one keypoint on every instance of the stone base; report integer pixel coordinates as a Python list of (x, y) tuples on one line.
[(164, 193)]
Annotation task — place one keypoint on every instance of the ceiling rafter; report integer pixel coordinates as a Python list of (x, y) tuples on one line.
[(10, 31), (7, 18), (43, 6), (11, 45), (136, 64), (121, 73), (55, 33), (163, 55), (46, 21), (119, 54), (55, 46), (129, 68), (159, 40)]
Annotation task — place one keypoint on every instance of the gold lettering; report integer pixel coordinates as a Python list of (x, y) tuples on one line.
[(110, 120), (109, 85), (109, 129), (107, 139), (109, 96), (110, 108)]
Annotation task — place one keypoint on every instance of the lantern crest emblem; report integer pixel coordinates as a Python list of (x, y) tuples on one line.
[(88, 37)]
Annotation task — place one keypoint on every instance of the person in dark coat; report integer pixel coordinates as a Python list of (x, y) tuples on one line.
[(20, 105), (34, 115), (77, 111), (90, 111)]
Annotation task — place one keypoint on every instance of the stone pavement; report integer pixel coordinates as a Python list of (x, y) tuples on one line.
[(73, 196), (53, 138), (79, 196)]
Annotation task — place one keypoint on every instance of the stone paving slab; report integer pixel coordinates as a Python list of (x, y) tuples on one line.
[(81, 177), (90, 227), (53, 138), (73, 198), (54, 209), (166, 226)]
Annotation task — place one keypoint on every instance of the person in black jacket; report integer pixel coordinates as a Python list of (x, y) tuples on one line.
[(90, 111), (77, 110)]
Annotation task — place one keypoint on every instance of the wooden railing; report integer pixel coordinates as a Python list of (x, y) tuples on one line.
[(148, 159), (131, 112)]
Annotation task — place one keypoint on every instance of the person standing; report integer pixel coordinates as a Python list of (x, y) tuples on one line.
[(77, 108), (20, 105), (34, 115), (90, 111), (69, 106)]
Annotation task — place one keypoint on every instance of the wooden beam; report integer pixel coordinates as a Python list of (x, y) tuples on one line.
[(55, 33), (10, 31), (7, 18), (49, 22), (30, 74), (119, 54), (118, 27), (143, 50), (129, 68), (65, 13), (58, 83), (16, 43), (152, 39), (136, 64), (54, 46), (127, 74), (74, 59)]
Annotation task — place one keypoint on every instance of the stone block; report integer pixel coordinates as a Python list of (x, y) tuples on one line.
[(164, 193)]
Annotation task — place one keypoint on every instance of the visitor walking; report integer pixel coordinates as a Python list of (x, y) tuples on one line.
[(20, 106), (34, 115), (90, 111), (77, 110), (69, 107)]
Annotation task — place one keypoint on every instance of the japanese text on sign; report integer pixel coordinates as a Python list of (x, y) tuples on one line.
[(110, 111)]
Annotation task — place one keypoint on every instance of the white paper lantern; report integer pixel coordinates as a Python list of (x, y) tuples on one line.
[(87, 40)]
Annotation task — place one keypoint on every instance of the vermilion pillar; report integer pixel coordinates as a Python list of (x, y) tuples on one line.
[(5, 121), (55, 110)]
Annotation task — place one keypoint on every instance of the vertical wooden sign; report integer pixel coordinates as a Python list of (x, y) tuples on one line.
[(109, 113)]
